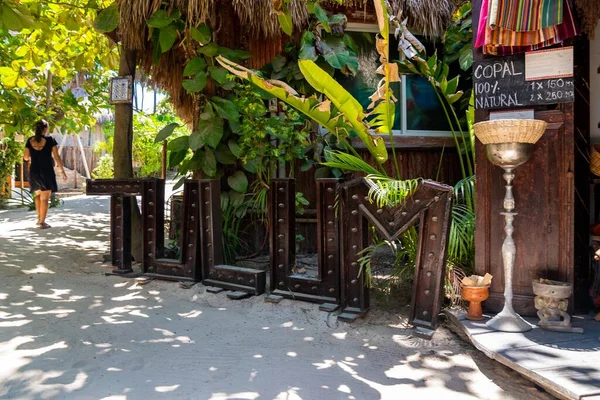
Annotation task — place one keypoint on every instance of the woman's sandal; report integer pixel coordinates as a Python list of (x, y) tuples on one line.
[(44, 225)]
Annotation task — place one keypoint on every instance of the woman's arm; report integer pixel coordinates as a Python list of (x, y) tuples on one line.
[(26, 155), (59, 161)]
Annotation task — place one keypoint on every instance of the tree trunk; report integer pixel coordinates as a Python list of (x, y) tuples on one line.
[(123, 149)]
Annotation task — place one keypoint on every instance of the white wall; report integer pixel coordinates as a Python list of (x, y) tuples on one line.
[(595, 86)]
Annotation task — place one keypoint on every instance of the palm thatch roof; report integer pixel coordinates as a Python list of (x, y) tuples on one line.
[(255, 19)]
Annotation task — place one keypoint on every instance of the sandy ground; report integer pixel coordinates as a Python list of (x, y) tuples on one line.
[(69, 332)]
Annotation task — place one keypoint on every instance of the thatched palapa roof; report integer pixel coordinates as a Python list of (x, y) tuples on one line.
[(237, 22)]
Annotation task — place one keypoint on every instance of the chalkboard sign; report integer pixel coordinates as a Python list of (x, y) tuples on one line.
[(500, 83)]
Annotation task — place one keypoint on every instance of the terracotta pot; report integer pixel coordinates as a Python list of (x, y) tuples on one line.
[(475, 295)]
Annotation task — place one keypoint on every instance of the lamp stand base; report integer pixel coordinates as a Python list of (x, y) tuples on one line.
[(509, 321)]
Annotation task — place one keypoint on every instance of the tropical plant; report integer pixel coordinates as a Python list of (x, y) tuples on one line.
[(53, 64), (343, 117), (105, 169), (10, 153)]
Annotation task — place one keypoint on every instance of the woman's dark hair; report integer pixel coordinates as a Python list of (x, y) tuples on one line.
[(40, 127)]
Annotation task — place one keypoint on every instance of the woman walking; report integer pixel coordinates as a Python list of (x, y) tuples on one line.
[(40, 149)]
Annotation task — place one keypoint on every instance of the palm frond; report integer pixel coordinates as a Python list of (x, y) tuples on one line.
[(461, 246), (348, 162), (464, 192), (389, 192)]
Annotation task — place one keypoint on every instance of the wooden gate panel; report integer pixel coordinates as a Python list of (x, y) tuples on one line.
[(120, 232), (430, 268), (355, 229), (153, 217), (211, 246), (284, 282)]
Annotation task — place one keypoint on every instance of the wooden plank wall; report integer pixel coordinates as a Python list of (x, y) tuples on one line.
[(552, 200)]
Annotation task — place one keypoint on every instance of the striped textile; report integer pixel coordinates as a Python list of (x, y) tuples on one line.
[(526, 15), (503, 42), (483, 18)]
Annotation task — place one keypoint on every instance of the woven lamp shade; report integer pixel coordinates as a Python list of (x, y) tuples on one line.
[(510, 131)]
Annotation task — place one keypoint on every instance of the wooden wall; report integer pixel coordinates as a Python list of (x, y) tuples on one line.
[(552, 202)]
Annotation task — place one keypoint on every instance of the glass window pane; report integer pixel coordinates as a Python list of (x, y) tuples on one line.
[(423, 108), (364, 84)]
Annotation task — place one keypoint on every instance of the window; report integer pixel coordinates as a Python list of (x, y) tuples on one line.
[(418, 110)]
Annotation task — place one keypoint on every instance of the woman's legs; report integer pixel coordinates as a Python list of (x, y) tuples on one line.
[(44, 197), (36, 200)]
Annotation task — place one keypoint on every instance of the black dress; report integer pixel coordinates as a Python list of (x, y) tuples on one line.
[(41, 169)]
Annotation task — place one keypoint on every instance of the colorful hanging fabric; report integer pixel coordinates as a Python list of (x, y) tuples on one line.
[(527, 15), (483, 18), (501, 41), (494, 6)]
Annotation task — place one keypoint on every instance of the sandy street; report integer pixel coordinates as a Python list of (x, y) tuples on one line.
[(69, 332)]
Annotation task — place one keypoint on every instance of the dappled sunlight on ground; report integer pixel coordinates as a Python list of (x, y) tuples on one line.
[(69, 332)]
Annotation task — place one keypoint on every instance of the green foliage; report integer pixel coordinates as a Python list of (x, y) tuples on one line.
[(458, 39), (10, 153), (234, 207), (149, 131), (60, 42), (107, 19), (105, 169)]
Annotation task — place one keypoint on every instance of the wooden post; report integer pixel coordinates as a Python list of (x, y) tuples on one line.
[(163, 172), (22, 173), (74, 164), (84, 158)]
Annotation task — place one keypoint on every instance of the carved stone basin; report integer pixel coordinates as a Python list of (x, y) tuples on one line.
[(557, 290), (552, 302)]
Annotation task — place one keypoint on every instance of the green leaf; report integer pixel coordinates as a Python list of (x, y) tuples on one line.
[(350, 44), (175, 158), (179, 144), (224, 155), (321, 173), (106, 21), (225, 108), (197, 84), (252, 165), (321, 15), (165, 132), (465, 57), (167, 38), (211, 131), (335, 52), (278, 62), (452, 85), (453, 98), (159, 19), (218, 74), (307, 47), (202, 34), (238, 182), (194, 66), (286, 23), (210, 50), (196, 141), (210, 163), (235, 148), (235, 55), (179, 183), (197, 161), (308, 164)]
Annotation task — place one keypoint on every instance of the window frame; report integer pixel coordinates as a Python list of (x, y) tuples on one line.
[(404, 131)]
